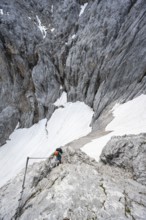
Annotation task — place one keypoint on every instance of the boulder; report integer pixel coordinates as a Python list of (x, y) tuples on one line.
[(128, 152)]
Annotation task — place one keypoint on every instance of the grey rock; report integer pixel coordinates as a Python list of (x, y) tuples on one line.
[(20, 37), (98, 66), (102, 64), (9, 118), (128, 152), (46, 85), (79, 188)]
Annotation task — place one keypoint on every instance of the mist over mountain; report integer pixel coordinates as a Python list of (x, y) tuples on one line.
[(88, 56)]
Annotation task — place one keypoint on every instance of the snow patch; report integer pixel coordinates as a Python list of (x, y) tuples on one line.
[(42, 28), (17, 126), (94, 148), (83, 9), (52, 8), (1, 11), (130, 118), (65, 125), (73, 36), (52, 29), (62, 100)]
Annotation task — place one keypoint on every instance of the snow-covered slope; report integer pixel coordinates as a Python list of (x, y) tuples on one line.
[(129, 118), (66, 124)]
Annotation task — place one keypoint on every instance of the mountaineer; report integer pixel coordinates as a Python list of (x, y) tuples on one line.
[(58, 154)]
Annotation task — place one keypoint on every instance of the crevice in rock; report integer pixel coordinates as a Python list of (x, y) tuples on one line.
[(23, 207), (104, 189), (127, 208), (20, 210), (133, 2), (143, 75), (141, 204), (103, 204)]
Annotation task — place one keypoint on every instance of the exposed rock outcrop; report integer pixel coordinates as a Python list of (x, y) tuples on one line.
[(98, 57), (8, 120), (79, 188), (128, 152)]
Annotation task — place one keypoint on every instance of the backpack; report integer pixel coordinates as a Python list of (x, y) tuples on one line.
[(59, 150)]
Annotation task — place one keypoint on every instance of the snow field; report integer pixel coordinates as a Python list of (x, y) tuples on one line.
[(69, 122), (65, 125), (83, 9), (129, 118)]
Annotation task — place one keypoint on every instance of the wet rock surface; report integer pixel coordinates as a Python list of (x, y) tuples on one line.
[(79, 188), (47, 47)]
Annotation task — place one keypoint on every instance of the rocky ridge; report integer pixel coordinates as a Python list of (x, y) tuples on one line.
[(79, 188)]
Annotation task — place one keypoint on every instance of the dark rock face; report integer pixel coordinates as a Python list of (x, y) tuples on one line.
[(128, 152), (8, 121), (27, 76), (103, 56), (98, 57)]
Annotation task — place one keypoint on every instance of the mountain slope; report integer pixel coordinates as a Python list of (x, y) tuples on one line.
[(84, 52), (69, 122), (80, 188), (97, 56)]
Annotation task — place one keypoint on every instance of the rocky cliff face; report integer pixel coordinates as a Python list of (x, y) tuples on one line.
[(46, 47), (97, 56), (79, 188)]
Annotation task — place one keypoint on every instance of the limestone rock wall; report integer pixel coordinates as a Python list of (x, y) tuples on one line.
[(98, 57)]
